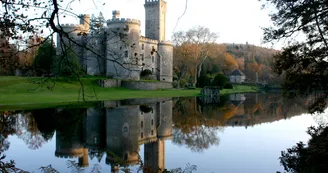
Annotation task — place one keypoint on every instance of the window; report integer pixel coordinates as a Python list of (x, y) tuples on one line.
[(125, 129), (142, 47), (152, 122), (152, 132), (142, 57), (126, 54), (141, 135), (152, 70), (141, 125), (152, 58)]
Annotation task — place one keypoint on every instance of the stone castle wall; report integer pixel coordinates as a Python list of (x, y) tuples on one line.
[(141, 85)]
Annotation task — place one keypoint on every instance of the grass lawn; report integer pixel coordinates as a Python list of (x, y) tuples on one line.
[(35, 93)]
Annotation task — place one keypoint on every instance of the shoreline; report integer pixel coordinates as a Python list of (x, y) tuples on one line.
[(19, 93)]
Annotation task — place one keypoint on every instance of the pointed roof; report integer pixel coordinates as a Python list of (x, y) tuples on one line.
[(237, 72)]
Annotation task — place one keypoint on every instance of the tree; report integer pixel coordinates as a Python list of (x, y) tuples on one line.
[(304, 62), (8, 56), (230, 63), (44, 60), (201, 39), (220, 80), (69, 66), (182, 63), (308, 158)]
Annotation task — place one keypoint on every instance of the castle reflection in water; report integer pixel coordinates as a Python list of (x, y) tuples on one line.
[(119, 128)]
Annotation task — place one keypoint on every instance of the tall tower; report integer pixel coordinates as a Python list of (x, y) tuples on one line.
[(155, 19)]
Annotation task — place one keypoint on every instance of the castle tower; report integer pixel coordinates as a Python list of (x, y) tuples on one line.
[(85, 23), (154, 154), (155, 19), (116, 14)]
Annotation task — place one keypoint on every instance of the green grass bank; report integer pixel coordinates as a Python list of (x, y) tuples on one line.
[(41, 92)]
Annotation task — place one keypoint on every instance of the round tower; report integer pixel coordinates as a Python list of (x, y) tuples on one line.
[(123, 50), (165, 51)]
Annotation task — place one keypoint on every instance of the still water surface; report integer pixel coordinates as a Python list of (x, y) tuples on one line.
[(238, 133)]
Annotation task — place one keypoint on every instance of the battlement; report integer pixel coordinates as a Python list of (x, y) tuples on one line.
[(70, 25), (165, 43), (153, 1), (147, 141), (148, 40), (123, 20)]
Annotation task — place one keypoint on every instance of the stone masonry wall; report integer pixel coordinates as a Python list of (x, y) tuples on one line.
[(135, 85), (138, 85), (110, 83)]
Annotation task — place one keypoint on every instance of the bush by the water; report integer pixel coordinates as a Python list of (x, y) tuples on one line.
[(218, 80), (228, 86)]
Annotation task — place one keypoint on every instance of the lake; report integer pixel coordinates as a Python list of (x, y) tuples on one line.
[(235, 133)]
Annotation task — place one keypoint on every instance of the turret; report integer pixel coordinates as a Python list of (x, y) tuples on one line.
[(85, 22), (116, 14), (155, 19)]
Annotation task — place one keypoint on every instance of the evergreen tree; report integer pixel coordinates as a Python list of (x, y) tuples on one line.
[(44, 60)]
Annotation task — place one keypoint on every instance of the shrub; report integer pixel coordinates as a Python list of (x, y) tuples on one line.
[(228, 86), (175, 84), (183, 83), (204, 80), (220, 80)]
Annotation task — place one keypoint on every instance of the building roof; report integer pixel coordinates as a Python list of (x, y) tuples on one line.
[(237, 72)]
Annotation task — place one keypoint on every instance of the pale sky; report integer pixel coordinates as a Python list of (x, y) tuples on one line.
[(236, 21)]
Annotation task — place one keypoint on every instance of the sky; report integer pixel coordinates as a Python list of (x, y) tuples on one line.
[(235, 21)]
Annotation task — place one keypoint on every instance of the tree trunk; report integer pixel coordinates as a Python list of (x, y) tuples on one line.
[(196, 71)]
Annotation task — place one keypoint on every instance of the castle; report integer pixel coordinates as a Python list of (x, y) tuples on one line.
[(118, 50), (118, 128)]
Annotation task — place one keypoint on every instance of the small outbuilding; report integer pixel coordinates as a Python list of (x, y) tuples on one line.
[(237, 76)]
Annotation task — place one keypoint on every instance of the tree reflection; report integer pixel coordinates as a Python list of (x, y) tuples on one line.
[(7, 127), (198, 140), (27, 130), (192, 128), (45, 120)]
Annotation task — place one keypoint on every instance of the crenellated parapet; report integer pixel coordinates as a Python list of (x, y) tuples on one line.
[(75, 28), (153, 2), (70, 27), (168, 43), (123, 20), (148, 40)]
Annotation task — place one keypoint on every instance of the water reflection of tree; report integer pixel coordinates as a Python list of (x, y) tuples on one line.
[(27, 130), (198, 140), (7, 127), (192, 128)]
